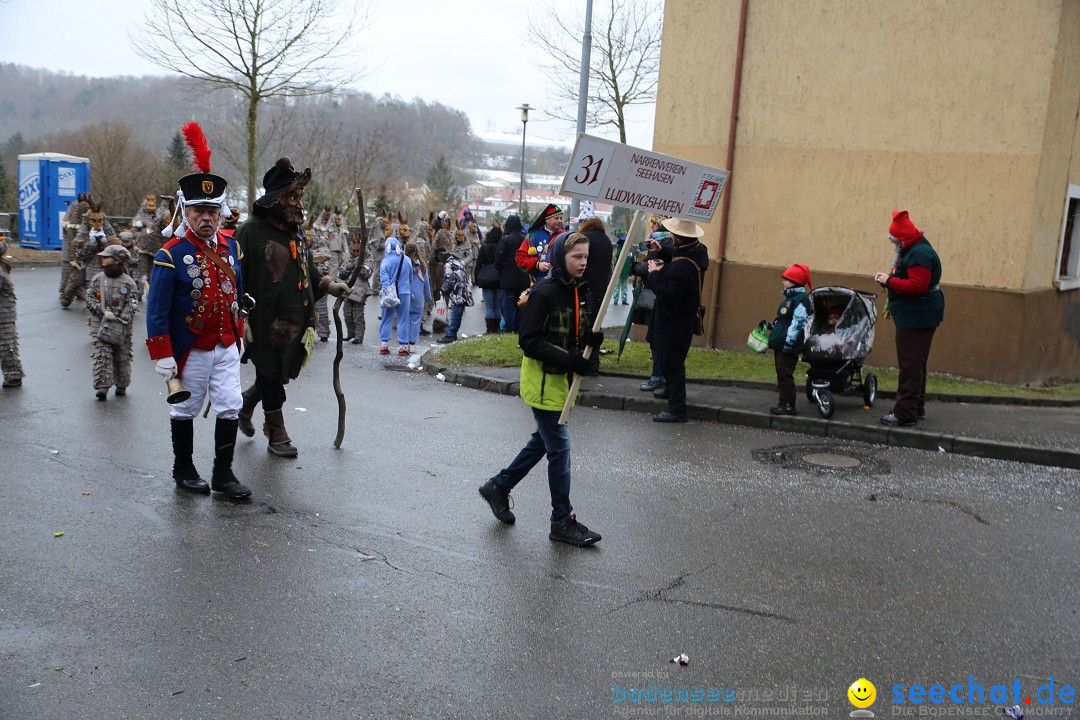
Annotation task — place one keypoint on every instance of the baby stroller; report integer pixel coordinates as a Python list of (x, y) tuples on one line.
[(836, 353)]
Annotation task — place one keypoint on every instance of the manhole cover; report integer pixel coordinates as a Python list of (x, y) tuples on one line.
[(823, 458), (831, 460)]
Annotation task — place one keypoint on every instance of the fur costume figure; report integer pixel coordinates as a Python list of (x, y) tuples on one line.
[(421, 238), (338, 232), (93, 235), (148, 239), (376, 250), (112, 297), (323, 256), (70, 225), (131, 264), (9, 335), (355, 325), (442, 241)]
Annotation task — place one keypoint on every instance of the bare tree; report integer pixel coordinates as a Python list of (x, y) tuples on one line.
[(122, 170), (625, 58), (258, 49)]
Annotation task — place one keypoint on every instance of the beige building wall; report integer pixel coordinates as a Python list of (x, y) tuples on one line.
[(963, 112)]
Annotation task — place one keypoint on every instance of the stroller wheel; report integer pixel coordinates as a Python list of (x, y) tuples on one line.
[(869, 389), (825, 404)]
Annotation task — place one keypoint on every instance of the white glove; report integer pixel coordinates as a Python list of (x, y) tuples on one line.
[(97, 234), (110, 315), (166, 368)]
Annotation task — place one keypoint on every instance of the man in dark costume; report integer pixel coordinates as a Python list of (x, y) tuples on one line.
[(280, 274)]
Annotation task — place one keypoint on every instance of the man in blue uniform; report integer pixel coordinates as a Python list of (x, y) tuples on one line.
[(194, 329)]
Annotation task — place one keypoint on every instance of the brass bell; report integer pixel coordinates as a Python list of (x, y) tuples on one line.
[(177, 392)]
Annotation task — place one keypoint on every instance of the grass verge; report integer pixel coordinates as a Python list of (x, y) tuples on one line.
[(502, 351)]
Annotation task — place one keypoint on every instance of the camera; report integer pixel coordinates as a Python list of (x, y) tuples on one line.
[(644, 246)]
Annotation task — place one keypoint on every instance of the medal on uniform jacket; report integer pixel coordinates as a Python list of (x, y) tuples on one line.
[(188, 259), (193, 272), (195, 294), (227, 287), (197, 283)]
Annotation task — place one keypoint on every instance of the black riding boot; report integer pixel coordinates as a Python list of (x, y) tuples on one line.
[(223, 480), (184, 472)]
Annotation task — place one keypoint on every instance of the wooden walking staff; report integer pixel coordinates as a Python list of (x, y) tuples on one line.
[(598, 323), (337, 324)]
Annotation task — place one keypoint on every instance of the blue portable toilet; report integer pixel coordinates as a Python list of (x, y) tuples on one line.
[(48, 184)]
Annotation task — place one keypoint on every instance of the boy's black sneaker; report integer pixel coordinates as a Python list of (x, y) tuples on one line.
[(783, 409), (893, 421), (499, 500), (572, 532)]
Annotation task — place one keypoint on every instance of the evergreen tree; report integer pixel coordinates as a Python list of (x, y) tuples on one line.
[(382, 202), (442, 189), (179, 158)]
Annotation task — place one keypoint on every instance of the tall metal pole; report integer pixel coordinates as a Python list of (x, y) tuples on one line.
[(583, 90), (521, 187)]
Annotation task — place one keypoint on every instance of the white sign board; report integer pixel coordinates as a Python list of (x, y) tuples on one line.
[(610, 172)]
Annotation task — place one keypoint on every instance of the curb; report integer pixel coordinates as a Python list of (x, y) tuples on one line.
[(889, 394), (896, 437)]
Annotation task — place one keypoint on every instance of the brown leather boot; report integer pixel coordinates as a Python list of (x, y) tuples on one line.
[(274, 429), (251, 397)]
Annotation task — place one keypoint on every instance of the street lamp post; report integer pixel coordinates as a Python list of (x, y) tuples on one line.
[(521, 188)]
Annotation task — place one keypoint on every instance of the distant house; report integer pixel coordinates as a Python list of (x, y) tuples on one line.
[(481, 189)]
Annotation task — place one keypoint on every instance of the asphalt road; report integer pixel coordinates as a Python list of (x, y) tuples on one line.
[(373, 582)]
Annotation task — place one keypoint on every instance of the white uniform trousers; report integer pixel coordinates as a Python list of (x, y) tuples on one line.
[(215, 371)]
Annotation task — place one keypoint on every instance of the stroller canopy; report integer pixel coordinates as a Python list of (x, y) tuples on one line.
[(852, 336)]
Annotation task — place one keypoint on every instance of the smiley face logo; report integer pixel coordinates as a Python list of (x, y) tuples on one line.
[(862, 693)]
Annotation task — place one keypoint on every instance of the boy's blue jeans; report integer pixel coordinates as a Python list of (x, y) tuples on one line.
[(551, 439), (454, 322)]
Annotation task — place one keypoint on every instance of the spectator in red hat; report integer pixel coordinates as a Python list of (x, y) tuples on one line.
[(786, 338), (917, 306)]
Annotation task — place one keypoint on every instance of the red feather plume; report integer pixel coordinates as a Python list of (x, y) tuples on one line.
[(196, 140)]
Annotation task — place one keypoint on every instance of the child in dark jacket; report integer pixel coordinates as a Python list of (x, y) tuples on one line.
[(555, 330), (788, 333)]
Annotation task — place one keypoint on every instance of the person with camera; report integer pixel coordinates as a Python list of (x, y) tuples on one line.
[(645, 299), (676, 278)]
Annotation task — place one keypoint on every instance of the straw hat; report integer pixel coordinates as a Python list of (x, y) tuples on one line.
[(683, 228)]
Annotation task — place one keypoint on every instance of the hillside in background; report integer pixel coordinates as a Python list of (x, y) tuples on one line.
[(126, 125)]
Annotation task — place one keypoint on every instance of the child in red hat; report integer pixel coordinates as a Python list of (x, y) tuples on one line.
[(786, 338)]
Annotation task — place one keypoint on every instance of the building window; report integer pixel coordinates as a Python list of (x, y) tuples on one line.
[(1069, 249)]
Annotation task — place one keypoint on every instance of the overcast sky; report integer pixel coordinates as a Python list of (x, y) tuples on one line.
[(467, 54)]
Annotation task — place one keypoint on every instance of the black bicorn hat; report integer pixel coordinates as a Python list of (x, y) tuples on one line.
[(203, 188), (281, 179)]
